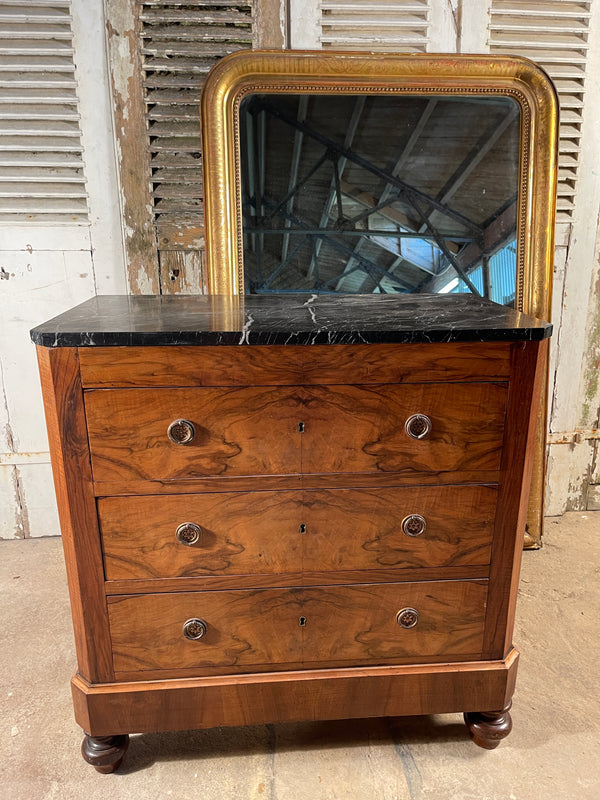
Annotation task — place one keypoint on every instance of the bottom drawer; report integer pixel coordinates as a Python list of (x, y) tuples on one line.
[(299, 626)]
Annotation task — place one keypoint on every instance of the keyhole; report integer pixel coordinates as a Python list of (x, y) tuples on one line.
[(302, 527), (302, 621), (301, 427)]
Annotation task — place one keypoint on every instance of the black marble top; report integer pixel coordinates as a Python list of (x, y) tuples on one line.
[(112, 320)]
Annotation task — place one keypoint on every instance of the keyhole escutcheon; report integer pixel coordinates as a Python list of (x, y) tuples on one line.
[(301, 427), (302, 621)]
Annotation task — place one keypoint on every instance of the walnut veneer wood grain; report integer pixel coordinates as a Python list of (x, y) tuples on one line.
[(303, 625), (247, 431), (245, 532), (293, 365), (357, 692), (294, 579), (361, 428), (362, 528), (290, 666), (255, 431), (286, 532), (67, 435), (527, 367), (324, 480)]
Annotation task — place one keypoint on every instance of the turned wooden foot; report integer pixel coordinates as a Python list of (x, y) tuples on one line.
[(104, 753), (488, 728)]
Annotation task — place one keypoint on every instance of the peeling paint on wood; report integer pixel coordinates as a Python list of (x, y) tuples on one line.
[(22, 530), (180, 237), (270, 24), (25, 458), (181, 272), (593, 503), (130, 131), (574, 437), (9, 523)]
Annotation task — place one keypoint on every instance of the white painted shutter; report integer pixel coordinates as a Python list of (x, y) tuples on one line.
[(41, 165), (180, 42), (554, 33), (401, 26)]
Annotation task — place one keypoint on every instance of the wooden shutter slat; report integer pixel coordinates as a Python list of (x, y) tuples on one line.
[(211, 17), (375, 25), (199, 33)]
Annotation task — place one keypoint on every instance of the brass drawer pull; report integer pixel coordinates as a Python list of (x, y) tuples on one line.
[(181, 431), (194, 628), (407, 617), (188, 533), (414, 525), (418, 426)]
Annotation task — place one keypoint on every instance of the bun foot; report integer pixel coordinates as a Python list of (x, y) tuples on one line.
[(488, 728), (104, 753)]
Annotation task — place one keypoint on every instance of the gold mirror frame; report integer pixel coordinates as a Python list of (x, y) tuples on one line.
[(299, 72)]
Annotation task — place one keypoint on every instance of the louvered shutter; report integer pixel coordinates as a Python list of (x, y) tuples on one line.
[(554, 33), (41, 164), (176, 45), (400, 26)]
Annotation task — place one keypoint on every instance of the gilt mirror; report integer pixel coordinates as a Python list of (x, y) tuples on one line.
[(368, 173)]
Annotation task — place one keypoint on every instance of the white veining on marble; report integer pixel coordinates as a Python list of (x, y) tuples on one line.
[(311, 310), (246, 329)]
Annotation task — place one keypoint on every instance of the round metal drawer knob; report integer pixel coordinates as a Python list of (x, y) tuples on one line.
[(414, 525), (194, 628), (181, 431), (407, 617), (188, 533), (418, 426)]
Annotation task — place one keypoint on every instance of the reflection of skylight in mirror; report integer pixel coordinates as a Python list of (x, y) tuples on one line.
[(500, 271)]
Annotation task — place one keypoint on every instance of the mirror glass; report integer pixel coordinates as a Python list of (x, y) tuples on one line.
[(358, 193)]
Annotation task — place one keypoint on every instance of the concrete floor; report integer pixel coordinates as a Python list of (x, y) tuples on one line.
[(553, 752)]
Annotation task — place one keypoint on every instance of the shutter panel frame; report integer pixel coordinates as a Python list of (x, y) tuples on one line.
[(554, 33), (170, 45)]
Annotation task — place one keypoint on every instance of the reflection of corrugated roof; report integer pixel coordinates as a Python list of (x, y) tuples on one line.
[(501, 276), (320, 172)]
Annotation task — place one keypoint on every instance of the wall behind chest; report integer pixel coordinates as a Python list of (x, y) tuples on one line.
[(113, 96), (60, 229)]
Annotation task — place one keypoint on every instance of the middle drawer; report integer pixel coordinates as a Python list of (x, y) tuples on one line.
[(237, 533)]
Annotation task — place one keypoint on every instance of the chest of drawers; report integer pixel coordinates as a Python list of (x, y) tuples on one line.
[(280, 509)]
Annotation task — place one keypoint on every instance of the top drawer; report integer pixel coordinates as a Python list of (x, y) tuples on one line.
[(292, 430), (280, 365)]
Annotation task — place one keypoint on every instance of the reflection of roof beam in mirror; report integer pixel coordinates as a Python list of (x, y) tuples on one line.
[(357, 111), (410, 144), (350, 155), (493, 133), (366, 264), (294, 167)]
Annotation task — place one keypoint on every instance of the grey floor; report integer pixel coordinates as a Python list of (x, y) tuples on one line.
[(552, 753)]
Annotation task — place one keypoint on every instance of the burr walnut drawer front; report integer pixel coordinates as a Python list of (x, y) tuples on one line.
[(236, 533), (280, 627), (169, 434)]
